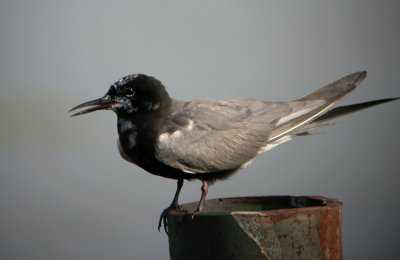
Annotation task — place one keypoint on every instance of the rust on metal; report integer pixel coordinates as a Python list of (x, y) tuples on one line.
[(272, 227)]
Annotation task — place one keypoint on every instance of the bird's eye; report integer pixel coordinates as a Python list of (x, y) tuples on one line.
[(129, 92)]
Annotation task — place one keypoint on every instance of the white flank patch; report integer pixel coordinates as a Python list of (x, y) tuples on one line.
[(190, 126), (165, 137)]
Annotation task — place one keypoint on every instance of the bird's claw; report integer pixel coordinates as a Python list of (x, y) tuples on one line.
[(164, 216), (194, 213)]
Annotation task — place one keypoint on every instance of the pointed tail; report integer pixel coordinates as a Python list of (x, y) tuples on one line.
[(324, 119), (344, 110)]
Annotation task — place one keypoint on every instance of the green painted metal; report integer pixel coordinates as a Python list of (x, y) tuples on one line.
[(272, 227)]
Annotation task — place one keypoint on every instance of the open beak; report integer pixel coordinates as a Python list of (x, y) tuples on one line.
[(97, 104)]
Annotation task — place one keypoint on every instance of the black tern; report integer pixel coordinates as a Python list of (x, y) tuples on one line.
[(209, 140)]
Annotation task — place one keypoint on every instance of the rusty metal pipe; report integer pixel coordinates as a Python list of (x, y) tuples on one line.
[(272, 227)]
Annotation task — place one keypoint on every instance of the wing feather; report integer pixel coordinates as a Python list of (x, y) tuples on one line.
[(205, 136), (211, 136)]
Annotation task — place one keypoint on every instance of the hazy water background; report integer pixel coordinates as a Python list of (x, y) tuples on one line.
[(65, 193)]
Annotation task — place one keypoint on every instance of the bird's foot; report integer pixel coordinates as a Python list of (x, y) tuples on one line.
[(164, 215), (194, 213)]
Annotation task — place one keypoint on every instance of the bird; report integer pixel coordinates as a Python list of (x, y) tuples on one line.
[(209, 140)]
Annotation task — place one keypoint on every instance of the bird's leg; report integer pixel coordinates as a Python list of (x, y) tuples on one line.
[(174, 207), (204, 191)]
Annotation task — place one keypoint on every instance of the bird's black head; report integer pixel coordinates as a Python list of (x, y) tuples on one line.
[(136, 93)]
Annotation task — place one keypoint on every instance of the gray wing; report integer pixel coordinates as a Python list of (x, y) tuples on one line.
[(205, 136)]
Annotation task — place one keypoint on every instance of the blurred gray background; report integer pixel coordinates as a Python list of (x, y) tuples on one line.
[(65, 193)]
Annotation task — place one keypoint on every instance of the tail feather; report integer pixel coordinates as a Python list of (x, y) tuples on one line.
[(338, 89), (344, 110), (323, 120), (327, 96)]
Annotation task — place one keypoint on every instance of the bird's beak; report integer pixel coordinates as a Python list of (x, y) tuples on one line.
[(97, 104)]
